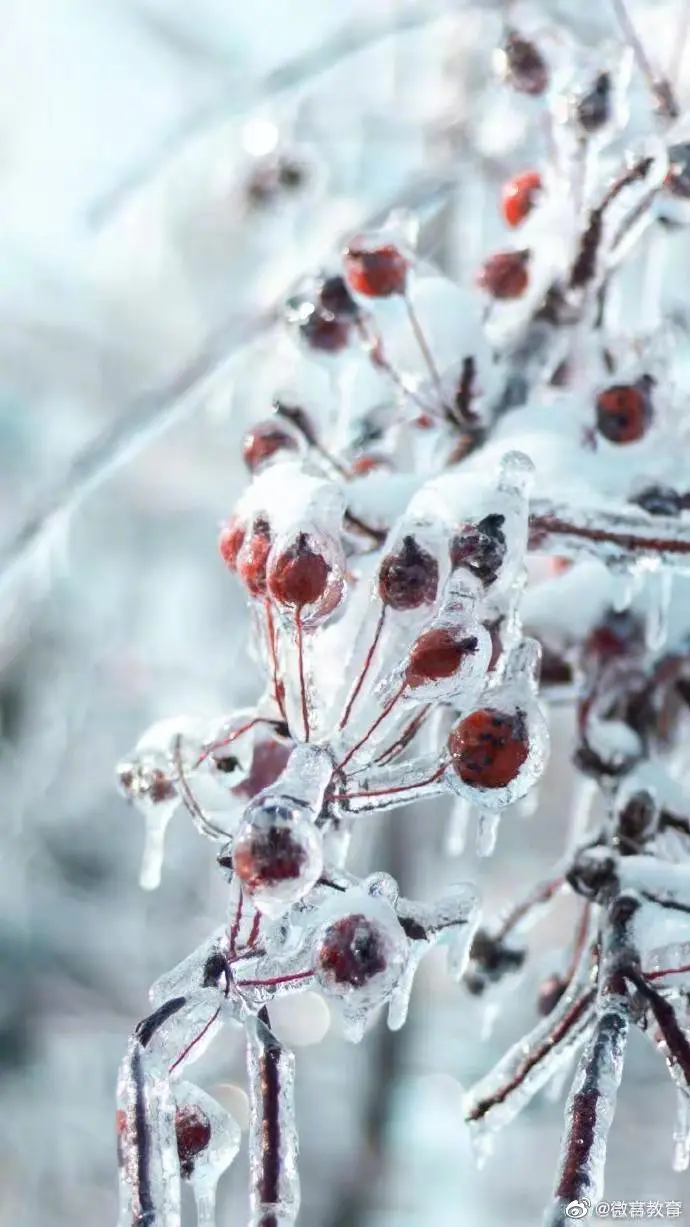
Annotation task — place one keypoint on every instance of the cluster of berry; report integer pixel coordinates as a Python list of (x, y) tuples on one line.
[(382, 550)]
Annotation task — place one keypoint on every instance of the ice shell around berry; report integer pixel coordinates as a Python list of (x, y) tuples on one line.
[(359, 953), (277, 853), (524, 767)]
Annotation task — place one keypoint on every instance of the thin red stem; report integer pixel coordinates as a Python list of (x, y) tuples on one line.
[(298, 975), (666, 971), (372, 729), (365, 669), (386, 792), (186, 1051), (405, 737), (273, 659), (302, 679), (424, 348), (226, 741)]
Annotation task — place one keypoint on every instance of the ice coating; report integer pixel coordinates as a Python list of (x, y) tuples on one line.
[(386, 547)]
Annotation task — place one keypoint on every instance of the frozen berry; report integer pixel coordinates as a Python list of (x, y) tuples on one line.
[(624, 411), (489, 747), (352, 951), (193, 1132), (616, 634), (377, 272), (253, 557), (277, 853), (269, 760), (299, 576), (593, 109), (437, 654), (504, 275), (318, 329), (409, 577), (335, 297), (263, 442), (521, 64), (230, 542), (520, 195), (480, 548), (368, 463)]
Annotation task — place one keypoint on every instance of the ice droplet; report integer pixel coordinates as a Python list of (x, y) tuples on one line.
[(488, 822), (681, 1133)]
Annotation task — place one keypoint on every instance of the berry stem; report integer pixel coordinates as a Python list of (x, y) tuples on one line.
[(302, 679), (192, 1044), (559, 530), (659, 86), (424, 348), (200, 820), (298, 975), (365, 669), (278, 690), (372, 729)]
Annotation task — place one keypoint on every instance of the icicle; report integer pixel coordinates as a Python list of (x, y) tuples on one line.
[(208, 1139), (487, 831), (154, 847), (681, 1132), (660, 584), (585, 793), (273, 1144), (626, 585)]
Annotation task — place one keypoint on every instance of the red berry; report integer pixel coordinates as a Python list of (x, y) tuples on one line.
[(624, 411), (351, 952), (377, 272), (319, 329), (480, 548), (409, 577), (677, 181), (436, 654), (335, 298), (263, 442), (230, 542), (522, 65), (504, 275), (269, 760), (252, 558), (520, 195), (264, 855), (488, 748), (368, 463), (299, 576), (193, 1132)]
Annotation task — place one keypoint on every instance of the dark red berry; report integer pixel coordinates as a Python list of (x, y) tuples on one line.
[(252, 558), (299, 576), (325, 332), (617, 633), (263, 442), (624, 411), (409, 577), (504, 275), (436, 654), (368, 463), (376, 272), (230, 542), (522, 65), (193, 1132), (480, 548), (351, 952), (263, 855), (519, 196), (269, 760), (488, 748), (335, 298), (593, 109)]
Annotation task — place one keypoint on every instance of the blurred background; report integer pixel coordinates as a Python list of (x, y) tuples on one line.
[(144, 247)]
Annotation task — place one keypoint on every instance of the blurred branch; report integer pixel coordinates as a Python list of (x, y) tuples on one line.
[(129, 435)]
